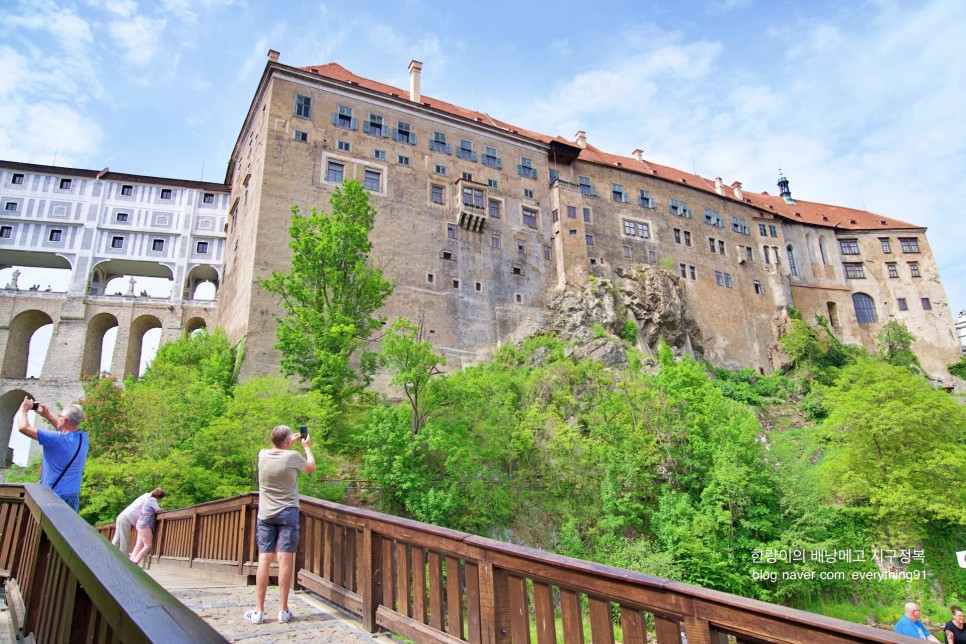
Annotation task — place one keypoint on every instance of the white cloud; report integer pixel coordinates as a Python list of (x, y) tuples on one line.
[(123, 8), (138, 37)]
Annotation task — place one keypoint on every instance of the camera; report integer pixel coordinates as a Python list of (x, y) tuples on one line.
[(35, 406), (304, 430)]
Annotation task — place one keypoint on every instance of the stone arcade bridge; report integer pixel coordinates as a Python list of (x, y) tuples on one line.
[(425, 583), (79, 324)]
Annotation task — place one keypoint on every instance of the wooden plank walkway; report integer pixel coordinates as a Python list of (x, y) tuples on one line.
[(223, 605)]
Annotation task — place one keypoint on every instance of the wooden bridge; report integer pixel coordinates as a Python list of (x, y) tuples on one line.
[(425, 583)]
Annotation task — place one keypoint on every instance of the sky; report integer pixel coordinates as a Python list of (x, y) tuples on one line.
[(859, 103)]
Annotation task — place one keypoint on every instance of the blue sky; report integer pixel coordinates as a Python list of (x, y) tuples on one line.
[(859, 103)]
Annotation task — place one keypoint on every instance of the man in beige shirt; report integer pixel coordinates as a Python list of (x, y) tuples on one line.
[(278, 516)]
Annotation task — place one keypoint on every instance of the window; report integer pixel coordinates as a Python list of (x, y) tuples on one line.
[(334, 172), (767, 254), (516, 270), (719, 278), (493, 183), (379, 154), (451, 231), (165, 193), (127, 191), (713, 217), (438, 144), (886, 245), (473, 197), (590, 240), (202, 248), (652, 256), (521, 248), (157, 244), (684, 270), (762, 230), (759, 289), (627, 251), (529, 218), (554, 175), (893, 269), (403, 133), (721, 247), (864, 308), (373, 180), (479, 286), (791, 261), (914, 269), (518, 298), (926, 304), (465, 151), (727, 279), (637, 229), (587, 215), (854, 270), (10, 206), (117, 242), (677, 235), (447, 255), (909, 244), (375, 127), (903, 305), (402, 160), (436, 194), (644, 199), (303, 106), (495, 240), (526, 169), (750, 254), (55, 235), (6, 232), (430, 278), (849, 246), (490, 159), (712, 244), (572, 212), (547, 253), (343, 118), (617, 193), (440, 169), (586, 188), (468, 176), (17, 179), (687, 238), (121, 217), (494, 208), (679, 208), (344, 146), (456, 283), (65, 184), (554, 215), (527, 193), (300, 136), (208, 197), (739, 225), (772, 230), (693, 271)]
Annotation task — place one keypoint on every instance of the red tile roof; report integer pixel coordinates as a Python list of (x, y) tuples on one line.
[(804, 212)]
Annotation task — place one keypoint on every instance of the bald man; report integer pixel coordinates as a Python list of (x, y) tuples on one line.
[(910, 625)]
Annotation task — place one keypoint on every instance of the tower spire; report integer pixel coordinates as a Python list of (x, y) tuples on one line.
[(783, 189)]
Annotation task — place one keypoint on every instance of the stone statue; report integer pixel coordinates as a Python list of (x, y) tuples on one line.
[(13, 280), (130, 289)]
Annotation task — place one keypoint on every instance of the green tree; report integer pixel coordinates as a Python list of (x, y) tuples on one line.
[(330, 295), (414, 364), (107, 418), (894, 343)]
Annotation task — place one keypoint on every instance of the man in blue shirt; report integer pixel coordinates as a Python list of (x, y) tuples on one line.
[(910, 625), (65, 450)]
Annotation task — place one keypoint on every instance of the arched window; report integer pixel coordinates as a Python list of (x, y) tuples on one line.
[(791, 261), (810, 246), (767, 254), (823, 249), (864, 308)]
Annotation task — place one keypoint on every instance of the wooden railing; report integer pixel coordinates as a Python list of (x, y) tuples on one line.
[(78, 588), (431, 584)]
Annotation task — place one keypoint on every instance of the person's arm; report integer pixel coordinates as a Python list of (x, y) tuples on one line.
[(950, 637), (23, 426), (309, 457)]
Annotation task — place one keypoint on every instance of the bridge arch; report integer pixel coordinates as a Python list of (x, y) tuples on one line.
[(104, 277), (194, 324), (9, 403), (97, 328), (22, 329), (135, 343)]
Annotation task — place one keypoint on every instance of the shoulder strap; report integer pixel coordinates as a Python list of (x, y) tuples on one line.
[(79, 443)]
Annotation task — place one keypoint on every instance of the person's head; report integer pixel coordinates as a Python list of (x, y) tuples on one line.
[(158, 493), (912, 611), (957, 613), (70, 417), (281, 436)]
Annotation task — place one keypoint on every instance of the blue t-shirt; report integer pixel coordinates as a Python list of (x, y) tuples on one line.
[(906, 626), (59, 448)]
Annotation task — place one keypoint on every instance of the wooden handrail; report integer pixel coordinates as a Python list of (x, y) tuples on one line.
[(434, 584), (77, 587)]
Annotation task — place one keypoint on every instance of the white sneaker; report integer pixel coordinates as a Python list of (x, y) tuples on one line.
[(284, 616), (255, 617)]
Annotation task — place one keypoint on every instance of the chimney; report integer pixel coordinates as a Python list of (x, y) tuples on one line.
[(581, 139), (638, 154), (102, 173), (414, 68), (719, 186), (272, 56), (736, 186)]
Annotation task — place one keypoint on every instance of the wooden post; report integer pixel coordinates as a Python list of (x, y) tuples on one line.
[(194, 537), (494, 605), (370, 574)]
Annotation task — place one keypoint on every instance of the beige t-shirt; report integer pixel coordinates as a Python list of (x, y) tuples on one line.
[(277, 480)]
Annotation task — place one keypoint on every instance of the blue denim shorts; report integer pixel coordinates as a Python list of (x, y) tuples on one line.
[(73, 500), (281, 529)]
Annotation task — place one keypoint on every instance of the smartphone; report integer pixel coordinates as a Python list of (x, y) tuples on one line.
[(35, 406), (304, 430)]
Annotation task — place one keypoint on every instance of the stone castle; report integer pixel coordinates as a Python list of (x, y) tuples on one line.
[(480, 222)]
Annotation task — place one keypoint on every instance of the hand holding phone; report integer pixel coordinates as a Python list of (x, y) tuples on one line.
[(304, 430)]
